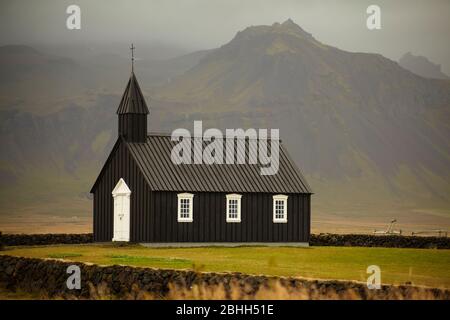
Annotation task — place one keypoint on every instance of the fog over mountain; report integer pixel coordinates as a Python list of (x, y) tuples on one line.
[(370, 136), (154, 25)]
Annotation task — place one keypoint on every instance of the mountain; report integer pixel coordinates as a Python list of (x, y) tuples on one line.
[(370, 136), (422, 66), (28, 76)]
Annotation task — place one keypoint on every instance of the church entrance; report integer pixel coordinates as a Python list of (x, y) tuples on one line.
[(121, 195)]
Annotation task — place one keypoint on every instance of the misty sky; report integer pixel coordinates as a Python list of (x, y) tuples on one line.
[(419, 26)]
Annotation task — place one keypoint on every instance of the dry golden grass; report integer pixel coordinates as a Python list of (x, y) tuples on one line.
[(276, 291), (273, 290)]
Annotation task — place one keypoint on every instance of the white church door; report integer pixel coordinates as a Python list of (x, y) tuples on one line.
[(121, 195)]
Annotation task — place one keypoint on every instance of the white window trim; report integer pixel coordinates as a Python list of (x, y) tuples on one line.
[(238, 197), (190, 197), (280, 197)]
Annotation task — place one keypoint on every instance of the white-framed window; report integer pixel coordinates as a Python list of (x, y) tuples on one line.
[(280, 208), (185, 207), (233, 207)]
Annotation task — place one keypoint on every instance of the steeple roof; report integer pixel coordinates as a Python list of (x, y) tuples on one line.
[(133, 100)]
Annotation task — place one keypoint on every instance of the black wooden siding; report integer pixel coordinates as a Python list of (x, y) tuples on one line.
[(133, 127), (209, 220), (154, 214)]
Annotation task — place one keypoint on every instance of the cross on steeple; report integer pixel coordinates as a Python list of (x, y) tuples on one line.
[(132, 57)]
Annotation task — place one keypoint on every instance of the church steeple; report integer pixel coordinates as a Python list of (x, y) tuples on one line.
[(133, 100), (133, 110)]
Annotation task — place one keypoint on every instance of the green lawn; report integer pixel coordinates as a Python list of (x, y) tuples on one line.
[(430, 267)]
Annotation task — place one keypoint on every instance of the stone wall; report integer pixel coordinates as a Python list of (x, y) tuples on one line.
[(388, 241), (45, 239), (48, 278), (360, 240)]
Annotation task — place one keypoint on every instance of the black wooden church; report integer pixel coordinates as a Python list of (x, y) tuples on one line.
[(140, 195)]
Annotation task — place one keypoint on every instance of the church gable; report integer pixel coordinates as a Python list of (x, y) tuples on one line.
[(120, 164)]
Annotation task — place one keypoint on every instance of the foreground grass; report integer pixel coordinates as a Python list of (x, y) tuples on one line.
[(428, 267)]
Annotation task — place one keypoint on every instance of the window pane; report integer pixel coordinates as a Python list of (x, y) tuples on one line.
[(279, 209), (233, 209), (185, 208)]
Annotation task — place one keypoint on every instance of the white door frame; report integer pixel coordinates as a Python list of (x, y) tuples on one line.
[(121, 222)]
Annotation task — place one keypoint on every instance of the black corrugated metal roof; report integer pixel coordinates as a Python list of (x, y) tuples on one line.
[(132, 100), (153, 157)]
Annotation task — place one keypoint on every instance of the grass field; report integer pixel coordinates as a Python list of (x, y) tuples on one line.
[(428, 267)]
